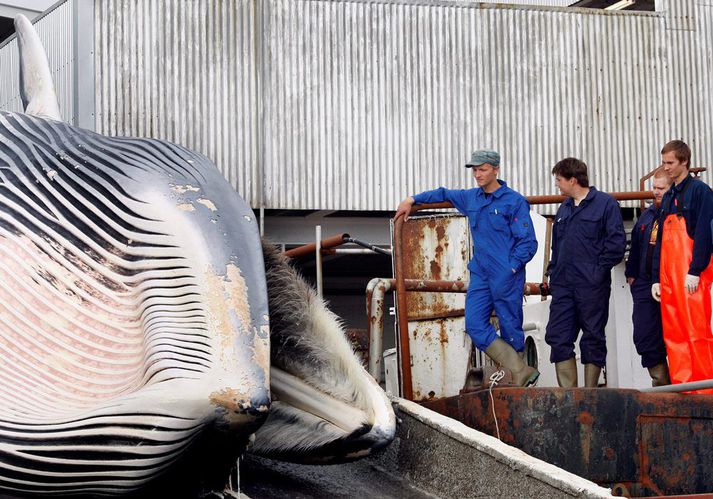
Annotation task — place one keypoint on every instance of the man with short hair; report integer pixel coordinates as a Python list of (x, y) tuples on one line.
[(503, 242), (588, 239), (682, 270), (646, 315)]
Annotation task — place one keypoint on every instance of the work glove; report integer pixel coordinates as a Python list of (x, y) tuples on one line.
[(656, 291), (692, 283)]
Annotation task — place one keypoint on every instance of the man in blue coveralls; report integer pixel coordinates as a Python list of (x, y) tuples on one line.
[(503, 242), (588, 239), (648, 332)]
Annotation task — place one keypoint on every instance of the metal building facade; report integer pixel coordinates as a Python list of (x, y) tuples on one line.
[(351, 105)]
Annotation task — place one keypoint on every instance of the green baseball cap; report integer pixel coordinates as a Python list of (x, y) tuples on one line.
[(483, 156)]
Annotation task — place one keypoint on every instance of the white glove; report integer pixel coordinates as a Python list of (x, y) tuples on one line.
[(692, 283), (656, 291)]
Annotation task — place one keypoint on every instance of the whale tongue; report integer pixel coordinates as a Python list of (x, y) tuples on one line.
[(36, 87)]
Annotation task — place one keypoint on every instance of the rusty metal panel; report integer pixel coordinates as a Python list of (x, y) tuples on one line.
[(437, 248), (440, 353), (637, 443), (56, 30)]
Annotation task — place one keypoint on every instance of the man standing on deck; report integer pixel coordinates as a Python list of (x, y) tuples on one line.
[(503, 242), (588, 239), (682, 270), (648, 334)]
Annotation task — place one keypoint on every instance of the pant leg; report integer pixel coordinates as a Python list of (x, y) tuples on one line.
[(507, 299), (593, 312), (646, 316), (563, 326), (478, 307)]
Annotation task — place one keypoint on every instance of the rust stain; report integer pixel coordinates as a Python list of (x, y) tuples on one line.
[(443, 335), (435, 270), (585, 418)]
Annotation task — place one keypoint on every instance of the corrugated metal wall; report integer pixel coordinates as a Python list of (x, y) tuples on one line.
[(353, 104), (367, 102), (185, 72), (56, 30)]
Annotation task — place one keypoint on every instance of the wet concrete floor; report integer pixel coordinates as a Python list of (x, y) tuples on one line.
[(262, 478)]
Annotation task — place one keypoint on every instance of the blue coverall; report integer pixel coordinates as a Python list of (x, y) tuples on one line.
[(503, 242), (587, 241), (648, 331)]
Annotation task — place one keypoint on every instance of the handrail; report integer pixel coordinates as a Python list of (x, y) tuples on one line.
[(642, 180)]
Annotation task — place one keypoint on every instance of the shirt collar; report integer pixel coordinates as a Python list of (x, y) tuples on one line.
[(679, 187), (587, 198), (498, 192)]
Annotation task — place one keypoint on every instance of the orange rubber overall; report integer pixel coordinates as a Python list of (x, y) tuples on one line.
[(686, 317)]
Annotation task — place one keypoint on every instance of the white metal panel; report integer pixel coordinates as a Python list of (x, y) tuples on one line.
[(56, 31), (388, 99)]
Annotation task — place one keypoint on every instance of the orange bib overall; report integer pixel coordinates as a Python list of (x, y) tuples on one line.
[(686, 317)]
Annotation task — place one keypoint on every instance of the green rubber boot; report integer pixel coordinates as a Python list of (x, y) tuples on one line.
[(567, 373), (506, 356), (591, 375)]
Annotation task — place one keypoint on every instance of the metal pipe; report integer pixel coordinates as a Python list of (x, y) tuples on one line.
[(318, 256), (643, 179), (547, 199), (348, 251), (370, 246), (376, 325), (404, 348), (376, 291), (308, 249), (681, 387)]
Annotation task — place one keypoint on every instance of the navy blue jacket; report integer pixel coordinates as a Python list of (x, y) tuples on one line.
[(587, 241), (697, 208), (640, 237), (499, 223)]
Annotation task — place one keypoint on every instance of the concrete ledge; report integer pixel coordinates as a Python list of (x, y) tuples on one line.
[(449, 459)]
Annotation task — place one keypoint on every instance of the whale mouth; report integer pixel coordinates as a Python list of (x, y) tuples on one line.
[(325, 407)]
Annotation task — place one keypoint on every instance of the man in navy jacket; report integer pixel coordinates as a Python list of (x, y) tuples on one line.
[(503, 242), (648, 333), (588, 239), (682, 269)]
